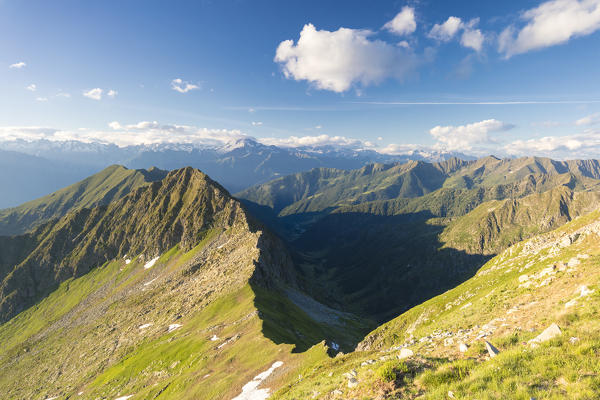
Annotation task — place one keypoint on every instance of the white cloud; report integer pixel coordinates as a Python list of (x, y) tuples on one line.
[(181, 86), (337, 60), (576, 146), (317, 141), (551, 23), (17, 65), (256, 123), (142, 133), (63, 94), (472, 38), (318, 127), (589, 120), (112, 93), (32, 87), (94, 94), (403, 23), (446, 31), (41, 99), (467, 137)]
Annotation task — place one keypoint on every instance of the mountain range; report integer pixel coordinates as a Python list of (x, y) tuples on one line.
[(45, 166), (390, 280)]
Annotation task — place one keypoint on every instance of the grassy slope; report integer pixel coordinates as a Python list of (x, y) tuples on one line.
[(494, 304), (107, 185), (85, 336)]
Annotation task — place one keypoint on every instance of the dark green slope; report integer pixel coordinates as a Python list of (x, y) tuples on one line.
[(107, 185), (387, 237)]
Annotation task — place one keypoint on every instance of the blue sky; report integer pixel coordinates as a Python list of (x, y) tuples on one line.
[(536, 61)]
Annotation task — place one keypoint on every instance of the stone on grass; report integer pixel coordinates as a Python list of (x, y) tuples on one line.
[(571, 303), (574, 340), (549, 333), (463, 347), (352, 383), (492, 351), (405, 353)]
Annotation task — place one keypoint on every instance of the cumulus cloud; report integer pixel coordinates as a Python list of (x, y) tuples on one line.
[(17, 65), (112, 93), (576, 146), (468, 137), (181, 86), (471, 37), (32, 87), (41, 99), (256, 123), (94, 94), (403, 23), (589, 120), (446, 31), (551, 23), (337, 60)]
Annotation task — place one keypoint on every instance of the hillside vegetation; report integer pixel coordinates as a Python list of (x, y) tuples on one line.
[(536, 303), (107, 185), (173, 291), (384, 238)]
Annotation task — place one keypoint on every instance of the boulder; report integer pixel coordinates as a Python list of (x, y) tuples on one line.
[(463, 347), (352, 383), (492, 351), (405, 353), (549, 333)]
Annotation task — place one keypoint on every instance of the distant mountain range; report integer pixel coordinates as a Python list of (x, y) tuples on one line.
[(34, 168)]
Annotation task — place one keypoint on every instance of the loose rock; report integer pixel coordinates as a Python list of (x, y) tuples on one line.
[(492, 351)]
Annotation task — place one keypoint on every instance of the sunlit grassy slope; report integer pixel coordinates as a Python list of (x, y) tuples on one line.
[(106, 334), (552, 278)]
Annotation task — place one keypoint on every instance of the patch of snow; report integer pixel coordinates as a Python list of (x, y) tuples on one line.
[(214, 338), (124, 397), (144, 326), (150, 263), (172, 327), (127, 261), (584, 291), (571, 303), (250, 391), (149, 282)]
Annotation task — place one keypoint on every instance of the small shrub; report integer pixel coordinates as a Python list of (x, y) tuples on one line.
[(386, 372), (392, 370)]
